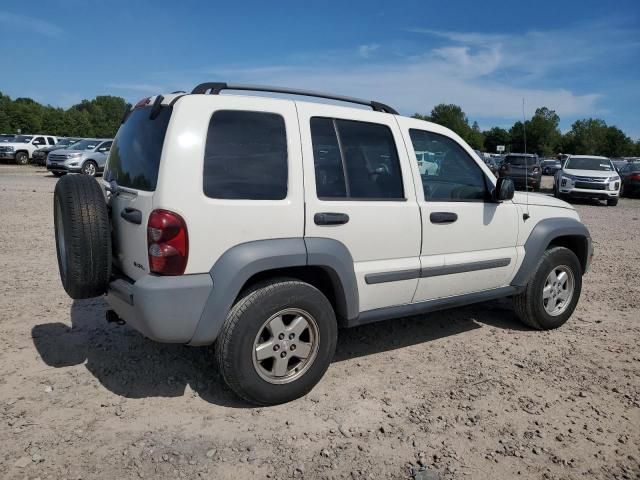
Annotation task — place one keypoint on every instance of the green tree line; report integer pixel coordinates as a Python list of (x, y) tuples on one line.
[(589, 136), (99, 117)]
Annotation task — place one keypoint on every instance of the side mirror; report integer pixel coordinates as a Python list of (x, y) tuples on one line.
[(504, 190)]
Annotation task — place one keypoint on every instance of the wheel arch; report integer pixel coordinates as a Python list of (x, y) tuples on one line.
[(565, 232), (323, 263)]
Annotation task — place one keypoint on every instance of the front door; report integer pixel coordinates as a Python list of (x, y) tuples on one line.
[(469, 241), (359, 190)]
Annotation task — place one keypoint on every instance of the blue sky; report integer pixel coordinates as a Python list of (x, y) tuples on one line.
[(581, 58)]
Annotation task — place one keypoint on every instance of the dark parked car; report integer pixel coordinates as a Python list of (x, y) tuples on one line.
[(524, 169), (619, 163), (492, 164), (550, 166), (630, 175), (40, 155)]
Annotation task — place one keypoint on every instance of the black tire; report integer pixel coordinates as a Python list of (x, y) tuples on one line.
[(612, 202), (529, 306), (22, 158), (536, 188), (90, 168), (83, 236), (235, 344), (59, 174)]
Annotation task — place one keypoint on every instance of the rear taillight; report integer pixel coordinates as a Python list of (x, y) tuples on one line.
[(168, 243), (635, 177)]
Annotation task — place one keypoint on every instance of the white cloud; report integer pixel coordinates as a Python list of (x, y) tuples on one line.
[(488, 75), (30, 24), (365, 51)]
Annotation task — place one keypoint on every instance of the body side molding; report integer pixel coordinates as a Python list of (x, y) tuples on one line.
[(428, 306)]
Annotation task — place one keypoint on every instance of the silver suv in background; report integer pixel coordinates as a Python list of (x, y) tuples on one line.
[(87, 156)]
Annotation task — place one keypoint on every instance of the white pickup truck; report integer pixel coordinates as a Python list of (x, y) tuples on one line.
[(21, 148)]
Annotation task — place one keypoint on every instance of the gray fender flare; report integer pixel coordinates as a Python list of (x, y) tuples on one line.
[(539, 239), (238, 264)]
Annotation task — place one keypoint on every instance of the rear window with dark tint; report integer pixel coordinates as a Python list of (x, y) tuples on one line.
[(246, 156), (134, 159), (521, 161)]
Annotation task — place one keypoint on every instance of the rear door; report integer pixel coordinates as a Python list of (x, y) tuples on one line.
[(134, 164), (359, 190)]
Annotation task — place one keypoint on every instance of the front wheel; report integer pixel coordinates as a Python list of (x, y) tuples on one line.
[(612, 202), (277, 342), (553, 290), (22, 158), (90, 168)]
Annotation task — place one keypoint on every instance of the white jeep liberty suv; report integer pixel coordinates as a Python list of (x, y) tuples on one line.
[(264, 224)]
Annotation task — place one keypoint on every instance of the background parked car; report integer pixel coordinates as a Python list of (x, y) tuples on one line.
[(492, 164), (619, 163), (21, 147), (6, 137), (87, 156), (588, 176), (550, 166), (630, 175), (524, 169), (40, 155)]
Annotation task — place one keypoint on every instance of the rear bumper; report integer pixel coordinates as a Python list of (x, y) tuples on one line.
[(530, 180), (165, 309)]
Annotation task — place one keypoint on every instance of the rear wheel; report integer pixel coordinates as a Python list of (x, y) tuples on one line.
[(277, 342), (553, 291), (83, 236), (22, 158)]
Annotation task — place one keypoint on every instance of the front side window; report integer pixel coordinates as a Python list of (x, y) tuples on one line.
[(246, 156), (106, 146), (448, 172), (356, 160)]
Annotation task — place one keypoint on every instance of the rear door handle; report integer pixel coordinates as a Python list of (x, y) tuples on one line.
[(443, 217), (132, 215), (330, 218)]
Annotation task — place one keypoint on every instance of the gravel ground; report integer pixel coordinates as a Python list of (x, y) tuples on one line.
[(468, 393)]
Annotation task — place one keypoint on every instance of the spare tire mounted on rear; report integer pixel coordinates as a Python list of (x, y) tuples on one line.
[(83, 236)]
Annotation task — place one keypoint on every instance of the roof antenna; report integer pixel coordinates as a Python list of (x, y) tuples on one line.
[(525, 216)]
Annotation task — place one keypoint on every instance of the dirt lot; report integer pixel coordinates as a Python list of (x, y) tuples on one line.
[(469, 393)]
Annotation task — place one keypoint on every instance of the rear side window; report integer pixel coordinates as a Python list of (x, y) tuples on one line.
[(246, 156), (355, 160), (134, 159)]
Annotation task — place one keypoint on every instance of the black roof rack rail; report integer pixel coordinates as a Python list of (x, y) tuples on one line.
[(216, 87)]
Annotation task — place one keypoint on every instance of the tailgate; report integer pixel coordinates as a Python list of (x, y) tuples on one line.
[(129, 236), (132, 173)]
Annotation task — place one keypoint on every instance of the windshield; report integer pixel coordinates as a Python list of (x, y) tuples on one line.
[(520, 161), (601, 164), (85, 145), (66, 141), (23, 138)]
